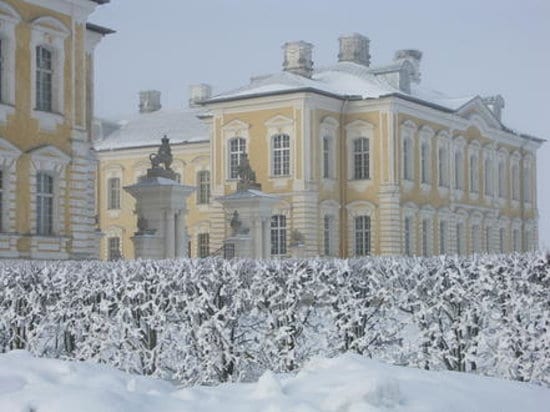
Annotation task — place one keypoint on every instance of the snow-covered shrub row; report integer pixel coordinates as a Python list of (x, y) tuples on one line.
[(211, 320)]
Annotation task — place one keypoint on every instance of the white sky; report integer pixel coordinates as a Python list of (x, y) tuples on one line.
[(470, 47)]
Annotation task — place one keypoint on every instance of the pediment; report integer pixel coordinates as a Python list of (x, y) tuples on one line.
[(479, 114), (50, 152), (7, 11), (278, 121), (236, 126), (51, 25)]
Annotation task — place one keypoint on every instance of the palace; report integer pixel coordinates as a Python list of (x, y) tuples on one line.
[(362, 160), (47, 165)]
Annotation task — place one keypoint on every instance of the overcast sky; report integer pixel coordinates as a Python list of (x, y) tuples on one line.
[(469, 47)]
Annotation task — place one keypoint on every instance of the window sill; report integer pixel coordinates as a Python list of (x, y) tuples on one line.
[(114, 213), (48, 120), (360, 184)]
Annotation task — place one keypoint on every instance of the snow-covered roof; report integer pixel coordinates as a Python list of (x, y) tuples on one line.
[(146, 129), (341, 79)]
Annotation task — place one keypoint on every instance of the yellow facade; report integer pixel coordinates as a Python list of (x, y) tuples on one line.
[(408, 190), (47, 140)]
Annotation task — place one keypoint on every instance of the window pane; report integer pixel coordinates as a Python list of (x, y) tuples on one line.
[(278, 235), (44, 204)]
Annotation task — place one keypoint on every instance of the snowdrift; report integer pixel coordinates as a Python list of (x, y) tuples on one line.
[(349, 383)]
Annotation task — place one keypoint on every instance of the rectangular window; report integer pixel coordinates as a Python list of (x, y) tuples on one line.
[(237, 149), (442, 154), (229, 251), (515, 182), (278, 235), (488, 177), (501, 180), (501, 239), (113, 193), (442, 237), (476, 239), (44, 79), (474, 181), (516, 240), (408, 233), (407, 159), (361, 158), (113, 248), (459, 239), (487, 239), (459, 171), (425, 237), (326, 158), (362, 235), (328, 233), (425, 160), (203, 194), (44, 204), (203, 244), (281, 155)]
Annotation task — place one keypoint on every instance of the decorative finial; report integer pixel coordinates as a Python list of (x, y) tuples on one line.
[(164, 155)]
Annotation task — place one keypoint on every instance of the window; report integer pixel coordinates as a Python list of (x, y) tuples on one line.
[(488, 177), (527, 182), (113, 193), (443, 168), (515, 182), (442, 237), (362, 236), (229, 251), (203, 194), (44, 79), (459, 170), (488, 239), (460, 249), (501, 179), (237, 149), (425, 162), (281, 155), (516, 240), (278, 235), (327, 172), (476, 238), (44, 204), (361, 158), (408, 234), (407, 159), (501, 239), (203, 241), (328, 232), (113, 248), (425, 237), (474, 170)]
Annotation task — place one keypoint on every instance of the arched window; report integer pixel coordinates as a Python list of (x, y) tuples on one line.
[(237, 149), (327, 172), (362, 225), (44, 204), (515, 181), (459, 170), (278, 235), (501, 178), (443, 166), (281, 154), (488, 176), (361, 158)]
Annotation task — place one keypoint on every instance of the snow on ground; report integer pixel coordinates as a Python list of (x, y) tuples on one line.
[(349, 383)]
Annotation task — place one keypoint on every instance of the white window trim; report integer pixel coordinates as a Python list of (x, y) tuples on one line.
[(427, 213), (443, 141), (361, 208), (113, 171), (50, 33), (516, 228), (515, 181), (459, 145), (234, 129), (444, 215), (197, 174), (355, 130), (461, 218), (528, 177), (51, 160), (426, 135), (330, 208), (280, 125), (410, 211), (329, 130), (407, 132), (476, 220), (9, 19), (473, 151), (489, 155), (502, 158), (113, 231)]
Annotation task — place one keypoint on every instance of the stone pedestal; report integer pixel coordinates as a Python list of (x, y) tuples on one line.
[(161, 207), (254, 207)]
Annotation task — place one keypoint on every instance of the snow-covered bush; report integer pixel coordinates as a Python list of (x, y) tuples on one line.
[(211, 320)]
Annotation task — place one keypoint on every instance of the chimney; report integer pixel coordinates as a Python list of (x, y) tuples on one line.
[(149, 101), (298, 58), (495, 104), (354, 48), (413, 57), (198, 93)]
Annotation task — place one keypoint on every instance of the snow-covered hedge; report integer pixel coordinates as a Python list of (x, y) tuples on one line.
[(210, 320)]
